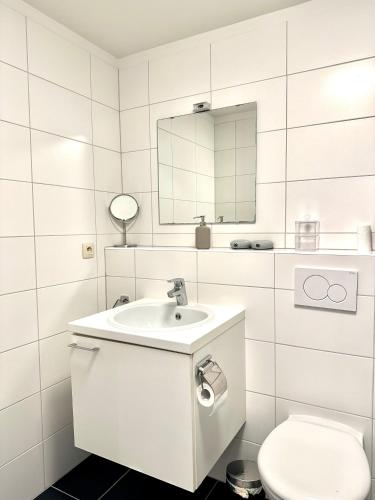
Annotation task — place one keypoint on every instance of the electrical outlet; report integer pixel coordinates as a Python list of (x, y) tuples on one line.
[(88, 250)]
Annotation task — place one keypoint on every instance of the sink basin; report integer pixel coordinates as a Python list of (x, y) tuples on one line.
[(158, 316), (160, 324)]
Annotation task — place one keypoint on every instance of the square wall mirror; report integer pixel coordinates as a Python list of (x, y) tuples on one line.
[(207, 166)]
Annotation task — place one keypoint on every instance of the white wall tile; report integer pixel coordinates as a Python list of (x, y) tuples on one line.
[(12, 37), (325, 33), (270, 96), (134, 86), (16, 209), (157, 289), (174, 239), (15, 160), (103, 241), (20, 428), (236, 268), (260, 417), (335, 381), (54, 359), (135, 129), (17, 268), (104, 82), (19, 374), (157, 264), (60, 455), (56, 407), (285, 264), (120, 262), (102, 299), (57, 60), (105, 125), (325, 329), (260, 367), (23, 477), (331, 202), (259, 303), (73, 214), (136, 171), (13, 95), (181, 74), (271, 156), (104, 222), (255, 55), (107, 168), (59, 259), (119, 286), (61, 161), (175, 107), (284, 408), (333, 150), (338, 93), (59, 111), (17, 329), (57, 305)]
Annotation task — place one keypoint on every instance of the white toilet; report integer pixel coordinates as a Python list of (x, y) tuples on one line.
[(312, 458)]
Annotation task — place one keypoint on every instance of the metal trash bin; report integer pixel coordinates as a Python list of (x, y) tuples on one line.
[(243, 478)]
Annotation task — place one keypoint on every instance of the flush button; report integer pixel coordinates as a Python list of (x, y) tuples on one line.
[(316, 287), (337, 293), (326, 288)]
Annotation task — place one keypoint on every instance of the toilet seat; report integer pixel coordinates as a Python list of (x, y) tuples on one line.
[(311, 458)]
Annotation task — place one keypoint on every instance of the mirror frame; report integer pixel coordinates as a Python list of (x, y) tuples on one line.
[(124, 220)]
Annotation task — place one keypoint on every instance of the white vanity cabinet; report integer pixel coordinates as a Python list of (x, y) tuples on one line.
[(137, 405)]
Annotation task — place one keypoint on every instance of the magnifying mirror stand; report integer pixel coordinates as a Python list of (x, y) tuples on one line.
[(124, 244)]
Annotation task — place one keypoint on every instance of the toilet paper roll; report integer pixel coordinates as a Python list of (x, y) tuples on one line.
[(206, 397), (212, 389), (364, 239)]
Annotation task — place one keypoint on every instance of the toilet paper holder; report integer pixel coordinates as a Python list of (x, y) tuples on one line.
[(208, 367)]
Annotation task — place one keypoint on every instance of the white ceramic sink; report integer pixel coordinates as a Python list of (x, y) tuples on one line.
[(160, 324), (158, 316)]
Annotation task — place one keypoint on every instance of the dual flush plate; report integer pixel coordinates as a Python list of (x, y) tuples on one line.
[(326, 288)]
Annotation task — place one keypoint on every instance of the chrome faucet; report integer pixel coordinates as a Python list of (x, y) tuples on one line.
[(178, 291)]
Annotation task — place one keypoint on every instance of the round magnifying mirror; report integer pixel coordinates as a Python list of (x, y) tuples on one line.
[(124, 208)]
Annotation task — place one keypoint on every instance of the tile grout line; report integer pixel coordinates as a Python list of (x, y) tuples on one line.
[(65, 493), (211, 490), (35, 257), (113, 485)]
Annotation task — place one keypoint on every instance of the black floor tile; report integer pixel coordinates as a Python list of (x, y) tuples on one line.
[(222, 492), (52, 494), (91, 478), (137, 486)]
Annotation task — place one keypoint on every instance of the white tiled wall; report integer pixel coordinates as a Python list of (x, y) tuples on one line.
[(313, 361), (59, 165), (311, 69)]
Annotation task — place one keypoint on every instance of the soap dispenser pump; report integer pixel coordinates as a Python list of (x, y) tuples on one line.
[(202, 234)]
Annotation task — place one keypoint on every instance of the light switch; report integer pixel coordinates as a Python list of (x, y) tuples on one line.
[(88, 250), (326, 288)]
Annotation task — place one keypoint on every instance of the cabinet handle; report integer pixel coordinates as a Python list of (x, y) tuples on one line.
[(74, 345)]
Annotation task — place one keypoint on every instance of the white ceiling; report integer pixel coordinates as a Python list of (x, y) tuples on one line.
[(123, 27)]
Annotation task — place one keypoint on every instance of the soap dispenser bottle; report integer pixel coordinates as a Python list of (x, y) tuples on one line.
[(202, 234)]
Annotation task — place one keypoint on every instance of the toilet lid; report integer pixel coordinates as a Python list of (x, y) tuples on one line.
[(303, 459)]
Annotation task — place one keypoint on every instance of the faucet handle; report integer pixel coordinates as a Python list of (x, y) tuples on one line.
[(177, 281)]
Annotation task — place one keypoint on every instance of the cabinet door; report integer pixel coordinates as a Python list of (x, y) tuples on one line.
[(133, 405)]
